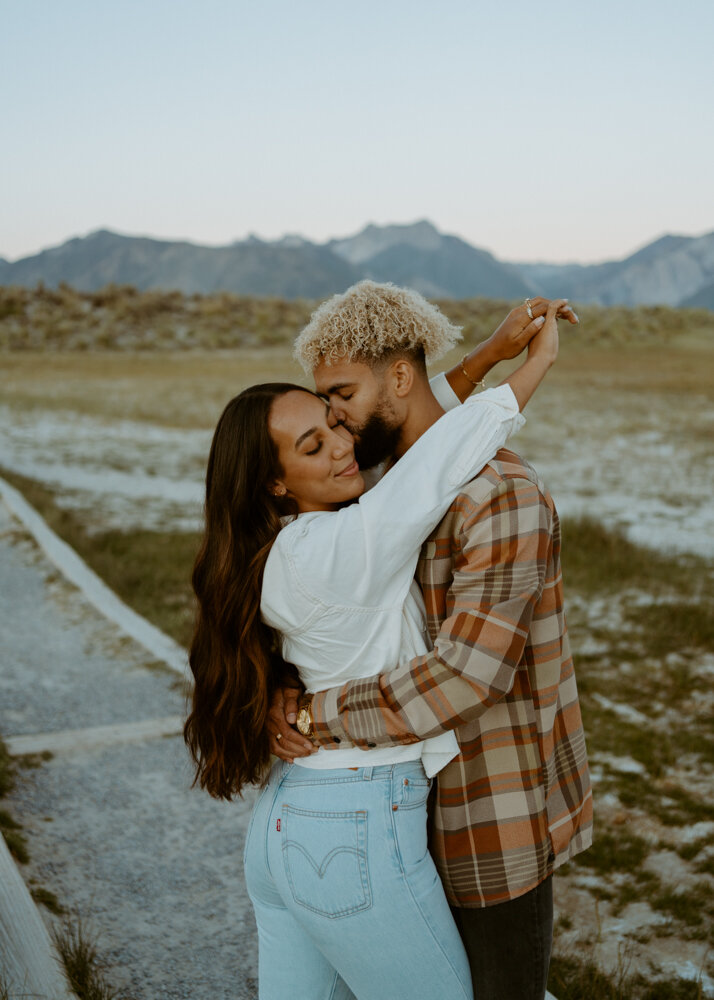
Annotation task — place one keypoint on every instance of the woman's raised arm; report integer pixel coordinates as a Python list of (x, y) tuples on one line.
[(366, 553), (507, 341)]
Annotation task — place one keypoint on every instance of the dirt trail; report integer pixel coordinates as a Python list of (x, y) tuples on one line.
[(112, 825)]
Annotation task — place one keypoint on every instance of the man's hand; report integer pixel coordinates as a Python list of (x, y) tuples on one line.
[(285, 741), (518, 329)]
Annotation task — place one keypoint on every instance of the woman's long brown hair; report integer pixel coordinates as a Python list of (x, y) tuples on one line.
[(234, 656)]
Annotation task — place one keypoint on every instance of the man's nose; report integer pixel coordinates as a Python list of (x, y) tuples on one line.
[(337, 408), (332, 417)]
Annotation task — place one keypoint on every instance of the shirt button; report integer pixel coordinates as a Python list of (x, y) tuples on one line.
[(371, 745), (337, 739)]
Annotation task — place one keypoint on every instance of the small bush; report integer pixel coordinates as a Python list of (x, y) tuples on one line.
[(7, 771), (85, 971), (579, 978), (598, 558)]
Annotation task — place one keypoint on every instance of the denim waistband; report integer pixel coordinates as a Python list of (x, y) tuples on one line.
[(293, 773)]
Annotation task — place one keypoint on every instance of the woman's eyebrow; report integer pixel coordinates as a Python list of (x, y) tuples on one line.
[(313, 430), (306, 434)]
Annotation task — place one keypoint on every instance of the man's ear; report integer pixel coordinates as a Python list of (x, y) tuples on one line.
[(402, 375)]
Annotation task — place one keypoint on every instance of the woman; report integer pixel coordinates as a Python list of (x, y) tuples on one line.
[(345, 893)]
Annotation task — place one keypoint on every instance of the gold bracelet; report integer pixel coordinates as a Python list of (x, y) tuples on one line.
[(481, 382)]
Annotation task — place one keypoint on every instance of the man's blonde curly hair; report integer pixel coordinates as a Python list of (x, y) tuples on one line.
[(370, 321)]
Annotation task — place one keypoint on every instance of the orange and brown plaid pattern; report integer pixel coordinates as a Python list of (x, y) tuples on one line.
[(516, 803)]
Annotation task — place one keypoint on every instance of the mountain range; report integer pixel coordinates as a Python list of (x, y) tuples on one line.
[(673, 270)]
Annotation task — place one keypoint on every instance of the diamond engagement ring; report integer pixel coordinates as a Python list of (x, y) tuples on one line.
[(278, 737), (528, 309)]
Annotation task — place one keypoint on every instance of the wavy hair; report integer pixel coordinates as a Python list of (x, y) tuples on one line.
[(234, 656), (370, 321)]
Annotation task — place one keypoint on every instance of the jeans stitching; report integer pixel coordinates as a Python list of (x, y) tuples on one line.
[(335, 981), (421, 786), (467, 994), (252, 822), (285, 771), (360, 853), (291, 782)]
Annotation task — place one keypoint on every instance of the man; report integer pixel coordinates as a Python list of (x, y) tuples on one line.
[(516, 802)]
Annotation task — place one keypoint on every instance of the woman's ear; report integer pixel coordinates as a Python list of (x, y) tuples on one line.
[(277, 489)]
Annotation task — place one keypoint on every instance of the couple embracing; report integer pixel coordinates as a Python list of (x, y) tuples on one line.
[(378, 536)]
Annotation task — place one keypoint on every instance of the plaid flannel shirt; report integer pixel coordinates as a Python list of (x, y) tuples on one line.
[(516, 803)]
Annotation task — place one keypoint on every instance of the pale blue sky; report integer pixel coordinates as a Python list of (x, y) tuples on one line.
[(552, 130)]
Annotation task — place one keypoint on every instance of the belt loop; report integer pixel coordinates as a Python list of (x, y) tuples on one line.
[(368, 773)]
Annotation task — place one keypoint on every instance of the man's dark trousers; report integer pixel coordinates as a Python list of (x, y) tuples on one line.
[(509, 945)]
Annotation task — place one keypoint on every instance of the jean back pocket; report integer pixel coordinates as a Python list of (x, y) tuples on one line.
[(325, 858)]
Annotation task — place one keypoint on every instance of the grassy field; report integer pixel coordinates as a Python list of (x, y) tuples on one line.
[(121, 318), (638, 906), (189, 389)]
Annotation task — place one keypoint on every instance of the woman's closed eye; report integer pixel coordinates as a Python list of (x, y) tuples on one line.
[(315, 450)]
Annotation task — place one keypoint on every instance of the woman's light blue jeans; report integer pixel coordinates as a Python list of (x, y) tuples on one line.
[(347, 900)]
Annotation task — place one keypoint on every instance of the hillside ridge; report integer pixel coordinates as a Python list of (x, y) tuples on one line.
[(671, 270)]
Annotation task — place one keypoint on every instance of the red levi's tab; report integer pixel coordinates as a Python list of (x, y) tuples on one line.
[(277, 826)]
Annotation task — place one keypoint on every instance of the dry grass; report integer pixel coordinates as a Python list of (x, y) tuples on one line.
[(190, 390), (84, 968), (578, 977), (48, 899), (7, 771), (121, 318), (173, 389), (149, 570), (10, 829)]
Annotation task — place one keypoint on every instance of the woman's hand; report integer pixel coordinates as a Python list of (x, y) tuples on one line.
[(545, 344), (507, 341), (518, 328), (285, 741), (542, 352)]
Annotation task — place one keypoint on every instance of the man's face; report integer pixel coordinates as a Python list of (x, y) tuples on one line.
[(359, 399)]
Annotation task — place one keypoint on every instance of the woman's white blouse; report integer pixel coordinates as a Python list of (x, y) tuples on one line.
[(339, 585)]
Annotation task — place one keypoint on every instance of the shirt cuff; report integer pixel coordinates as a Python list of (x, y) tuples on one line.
[(503, 395), (444, 394), (327, 731)]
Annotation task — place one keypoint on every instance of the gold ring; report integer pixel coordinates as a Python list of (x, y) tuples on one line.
[(528, 309)]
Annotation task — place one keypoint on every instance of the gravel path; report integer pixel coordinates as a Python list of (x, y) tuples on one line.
[(114, 830)]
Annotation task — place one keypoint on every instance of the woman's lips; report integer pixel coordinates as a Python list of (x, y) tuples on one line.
[(351, 470)]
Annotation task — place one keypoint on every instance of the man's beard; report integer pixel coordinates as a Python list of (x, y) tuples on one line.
[(376, 440)]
